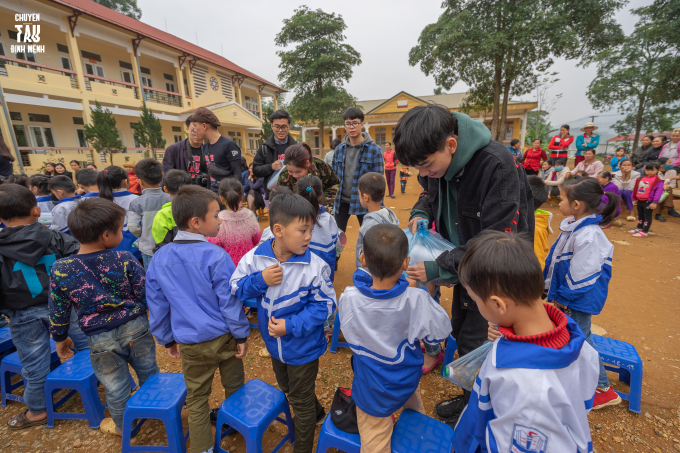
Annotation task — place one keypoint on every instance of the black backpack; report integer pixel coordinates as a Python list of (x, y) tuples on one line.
[(344, 411)]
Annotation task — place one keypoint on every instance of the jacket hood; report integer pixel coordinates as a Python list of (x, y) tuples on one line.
[(272, 144), (569, 224), (367, 139), (385, 213), (542, 220), (472, 136), (25, 244), (363, 282)]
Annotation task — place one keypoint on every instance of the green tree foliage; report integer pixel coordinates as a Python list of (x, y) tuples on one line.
[(510, 43), (127, 7), (317, 67), (439, 90), (102, 134), (148, 131), (538, 126)]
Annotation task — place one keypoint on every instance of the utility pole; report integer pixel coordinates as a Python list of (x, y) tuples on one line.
[(592, 118)]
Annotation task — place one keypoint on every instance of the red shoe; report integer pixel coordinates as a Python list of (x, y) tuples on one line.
[(606, 398)]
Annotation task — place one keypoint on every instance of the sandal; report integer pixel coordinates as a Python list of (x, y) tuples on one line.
[(108, 426), (630, 218), (20, 421), (634, 231), (440, 359), (641, 234)]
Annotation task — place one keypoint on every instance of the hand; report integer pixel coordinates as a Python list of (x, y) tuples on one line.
[(173, 351), (65, 349), (634, 202), (652, 206), (242, 350), (493, 332), (417, 272), (277, 327), (413, 224), (273, 275), (276, 166)]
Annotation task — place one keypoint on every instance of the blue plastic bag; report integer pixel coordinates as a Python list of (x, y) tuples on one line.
[(464, 371), (426, 245), (274, 180)]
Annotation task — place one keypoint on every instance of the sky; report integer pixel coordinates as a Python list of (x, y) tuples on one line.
[(382, 31)]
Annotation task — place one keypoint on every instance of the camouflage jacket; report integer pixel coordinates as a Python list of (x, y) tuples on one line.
[(330, 182)]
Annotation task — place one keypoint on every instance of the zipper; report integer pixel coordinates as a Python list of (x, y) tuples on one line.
[(270, 310)]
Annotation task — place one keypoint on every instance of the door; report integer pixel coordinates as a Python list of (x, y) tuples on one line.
[(146, 81), (380, 139), (170, 87), (126, 76), (82, 143), (93, 69)]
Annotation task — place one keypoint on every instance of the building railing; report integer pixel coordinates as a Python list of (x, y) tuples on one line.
[(162, 96), (104, 80), (4, 60)]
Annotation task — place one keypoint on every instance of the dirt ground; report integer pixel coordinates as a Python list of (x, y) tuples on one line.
[(640, 310)]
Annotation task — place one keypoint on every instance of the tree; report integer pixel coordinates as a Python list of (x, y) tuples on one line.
[(148, 131), (511, 43), (127, 7), (629, 76), (317, 68), (538, 126), (439, 90), (102, 134)]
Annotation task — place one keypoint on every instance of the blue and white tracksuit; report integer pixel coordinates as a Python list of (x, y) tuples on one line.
[(387, 359), (61, 211), (577, 273), (45, 203), (531, 399), (123, 199), (304, 299)]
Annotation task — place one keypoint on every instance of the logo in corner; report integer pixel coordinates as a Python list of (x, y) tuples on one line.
[(528, 440)]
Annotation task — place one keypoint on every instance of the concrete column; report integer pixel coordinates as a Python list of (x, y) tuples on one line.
[(244, 141), (276, 102), (259, 103), (8, 134), (135, 64), (180, 84), (367, 127), (192, 89), (523, 127), (334, 129), (240, 97), (302, 134), (77, 63)]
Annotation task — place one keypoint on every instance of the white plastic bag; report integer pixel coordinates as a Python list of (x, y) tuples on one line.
[(274, 180), (464, 371)]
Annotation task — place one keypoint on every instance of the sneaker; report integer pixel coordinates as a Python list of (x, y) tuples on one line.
[(640, 234), (634, 231), (673, 213), (605, 226), (107, 426), (449, 409), (320, 418), (660, 218), (606, 397)]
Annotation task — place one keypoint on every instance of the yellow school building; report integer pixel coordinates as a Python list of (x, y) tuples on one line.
[(84, 52), (381, 116)]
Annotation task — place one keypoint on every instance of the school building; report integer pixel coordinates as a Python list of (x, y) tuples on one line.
[(381, 117), (83, 52)]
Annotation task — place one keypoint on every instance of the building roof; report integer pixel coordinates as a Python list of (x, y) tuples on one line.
[(110, 16), (450, 100), (631, 137)]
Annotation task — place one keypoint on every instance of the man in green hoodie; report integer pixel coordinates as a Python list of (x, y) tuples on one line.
[(471, 184)]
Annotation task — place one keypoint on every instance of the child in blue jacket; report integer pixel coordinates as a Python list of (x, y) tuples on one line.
[(295, 296)]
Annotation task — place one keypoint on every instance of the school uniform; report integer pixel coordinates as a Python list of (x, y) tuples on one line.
[(45, 203), (123, 198), (325, 239), (61, 211)]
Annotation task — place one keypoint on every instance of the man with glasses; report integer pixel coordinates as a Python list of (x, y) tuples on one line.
[(183, 154), (269, 158), (353, 158)]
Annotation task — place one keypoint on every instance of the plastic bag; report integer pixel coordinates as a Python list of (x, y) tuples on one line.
[(665, 195), (45, 218), (274, 180), (464, 371), (426, 245)]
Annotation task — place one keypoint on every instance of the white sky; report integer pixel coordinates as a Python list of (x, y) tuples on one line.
[(382, 31)]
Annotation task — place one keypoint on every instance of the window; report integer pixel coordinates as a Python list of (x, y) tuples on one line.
[(38, 118), (91, 56), (78, 120), (251, 103), (178, 138), (94, 69), (12, 34), (186, 87), (126, 76), (170, 87), (62, 48), (125, 65), (176, 129), (15, 116), (168, 77), (380, 138), (41, 136), (82, 143), (20, 133), (146, 81), (509, 129), (145, 70)]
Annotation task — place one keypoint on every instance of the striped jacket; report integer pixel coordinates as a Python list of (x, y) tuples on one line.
[(370, 160)]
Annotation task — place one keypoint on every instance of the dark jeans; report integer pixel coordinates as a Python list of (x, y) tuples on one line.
[(30, 329), (584, 322), (389, 176), (645, 216), (342, 217), (403, 187), (110, 353), (298, 382)]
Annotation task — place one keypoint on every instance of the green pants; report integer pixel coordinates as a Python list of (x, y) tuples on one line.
[(298, 382), (199, 362)]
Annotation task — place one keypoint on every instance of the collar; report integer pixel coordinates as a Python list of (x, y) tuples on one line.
[(280, 143), (322, 209), (265, 249), (122, 193), (556, 338), (592, 134), (569, 225), (91, 194), (187, 236), (44, 198), (68, 199), (363, 284), (152, 189)]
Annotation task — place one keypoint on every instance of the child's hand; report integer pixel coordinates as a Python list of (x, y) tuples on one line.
[(242, 350), (493, 332), (634, 202), (173, 351), (652, 206), (277, 327), (64, 349), (273, 275)]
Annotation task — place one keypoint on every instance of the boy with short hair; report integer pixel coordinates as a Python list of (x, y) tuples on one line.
[(537, 385), (163, 228), (27, 253), (192, 310), (387, 363), (371, 193), (106, 289), (63, 188), (542, 218), (142, 210), (295, 297), (87, 183)]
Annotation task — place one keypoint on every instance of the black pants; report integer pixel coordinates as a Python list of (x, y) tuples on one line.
[(298, 382), (403, 187), (645, 216), (342, 217), (554, 191), (530, 172)]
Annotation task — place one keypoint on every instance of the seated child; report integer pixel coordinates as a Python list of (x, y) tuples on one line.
[(63, 188), (295, 297), (615, 161), (239, 230), (668, 175), (192, 310), (27, 253), (113, 185), (536, 387), (404, 173), (387, 363), (40, 186), (87, 183), (557, 177), (143, 209), (111, 311), (542, 218), (371, 194), (546, 170), (164, 228), (277, 190)]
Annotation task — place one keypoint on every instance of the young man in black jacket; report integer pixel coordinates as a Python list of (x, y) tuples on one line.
[(471, 184), (183, 154), (27, 252), (269, 158)]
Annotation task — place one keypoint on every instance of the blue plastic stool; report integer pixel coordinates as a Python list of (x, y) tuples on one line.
[(416, 433), (6, 344), (161, 398), (621, 357), (331, 437), (11, 365), (451, 347), (250, 410), (250, 304), (335, 344)]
